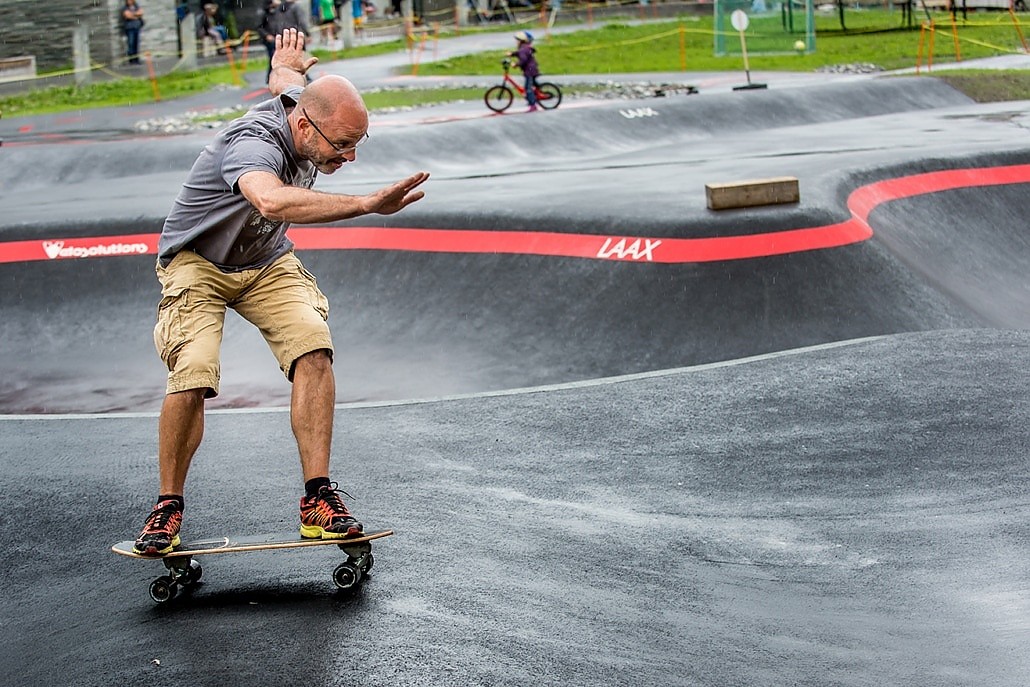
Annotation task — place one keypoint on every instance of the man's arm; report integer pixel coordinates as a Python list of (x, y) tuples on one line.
[(289, 63), (278, 201)]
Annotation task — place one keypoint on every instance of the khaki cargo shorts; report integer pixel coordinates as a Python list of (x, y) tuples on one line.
[(281, 299)]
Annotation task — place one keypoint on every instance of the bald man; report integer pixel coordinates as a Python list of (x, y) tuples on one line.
[(224, 245)]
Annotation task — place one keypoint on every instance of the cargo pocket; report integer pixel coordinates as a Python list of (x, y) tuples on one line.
[(318, 300), (170, 332)]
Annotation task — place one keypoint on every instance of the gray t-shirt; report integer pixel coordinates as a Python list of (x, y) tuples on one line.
[(211, 217)]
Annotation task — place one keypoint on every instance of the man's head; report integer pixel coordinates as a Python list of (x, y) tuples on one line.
[(329, 122)]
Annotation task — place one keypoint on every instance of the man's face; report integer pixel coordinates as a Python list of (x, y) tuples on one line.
[(330, 144)]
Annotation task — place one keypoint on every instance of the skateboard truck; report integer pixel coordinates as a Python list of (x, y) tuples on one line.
[(358, 564), (182, 572)]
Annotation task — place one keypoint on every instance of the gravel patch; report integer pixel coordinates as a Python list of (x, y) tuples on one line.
[(191, 120)]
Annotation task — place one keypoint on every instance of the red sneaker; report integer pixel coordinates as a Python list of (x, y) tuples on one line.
[(161, 532), (326, 517)]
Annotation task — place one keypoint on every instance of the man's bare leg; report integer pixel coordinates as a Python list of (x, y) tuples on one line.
[(180, 430), (311, 411), (322, 512)]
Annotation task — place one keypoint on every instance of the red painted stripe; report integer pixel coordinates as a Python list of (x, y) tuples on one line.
[(90, 247), (591, 246), (259, 93), (863, 200), (632, 248)]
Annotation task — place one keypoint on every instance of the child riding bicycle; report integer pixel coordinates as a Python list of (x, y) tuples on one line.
[(525, 54)]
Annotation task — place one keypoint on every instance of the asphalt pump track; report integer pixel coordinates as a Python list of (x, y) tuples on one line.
[(623, 439)]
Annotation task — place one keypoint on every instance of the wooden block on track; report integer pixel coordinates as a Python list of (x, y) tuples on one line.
[(746, 194)]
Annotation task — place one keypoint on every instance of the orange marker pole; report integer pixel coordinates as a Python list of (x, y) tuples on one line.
[(153, 77), (919, 53), (1015, 22), (418, 55), (954, 34), (232, 64), (246, 46)]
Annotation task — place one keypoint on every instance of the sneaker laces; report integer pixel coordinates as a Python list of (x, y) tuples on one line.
[(159, 518), (331, 495)]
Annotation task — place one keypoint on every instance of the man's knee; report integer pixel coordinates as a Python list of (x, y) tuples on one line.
[(313, 362), (188, 397)]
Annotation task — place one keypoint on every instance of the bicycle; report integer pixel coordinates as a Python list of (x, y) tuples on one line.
[(499, 98)]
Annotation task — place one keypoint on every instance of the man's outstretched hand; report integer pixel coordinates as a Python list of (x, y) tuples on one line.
[(396, 197)]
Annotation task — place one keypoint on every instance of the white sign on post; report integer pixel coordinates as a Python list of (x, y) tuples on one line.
[(739, 20)]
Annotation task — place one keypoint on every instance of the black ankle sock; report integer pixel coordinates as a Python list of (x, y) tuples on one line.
[(173, 497), (312, 486)]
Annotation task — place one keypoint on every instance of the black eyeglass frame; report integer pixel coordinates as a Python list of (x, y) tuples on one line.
[(340, 149)]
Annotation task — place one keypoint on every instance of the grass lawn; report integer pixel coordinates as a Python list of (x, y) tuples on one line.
[(873, 37)]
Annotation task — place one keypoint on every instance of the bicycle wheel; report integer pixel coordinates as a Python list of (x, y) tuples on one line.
[(548, 95), (498, 98)]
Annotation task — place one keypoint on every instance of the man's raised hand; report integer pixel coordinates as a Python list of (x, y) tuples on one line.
[(289, 52)]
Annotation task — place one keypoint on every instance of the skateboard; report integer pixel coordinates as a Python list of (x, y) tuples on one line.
[(184, 572)]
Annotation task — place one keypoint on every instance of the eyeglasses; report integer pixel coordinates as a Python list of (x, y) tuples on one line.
[(337, 147)]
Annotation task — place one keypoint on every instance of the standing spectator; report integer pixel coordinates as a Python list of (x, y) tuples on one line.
[(132, 22), (271, 16), (357, 13), (278, 16), (316, 16), (327, 12)]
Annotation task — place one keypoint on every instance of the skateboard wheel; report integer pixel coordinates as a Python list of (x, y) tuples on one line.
[(162, 589), (369, 562), (346, 576)]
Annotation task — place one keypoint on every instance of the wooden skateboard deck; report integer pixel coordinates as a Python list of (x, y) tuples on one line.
[(184, 572)]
